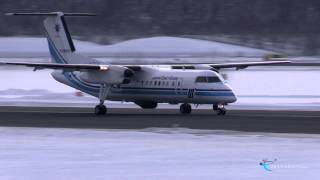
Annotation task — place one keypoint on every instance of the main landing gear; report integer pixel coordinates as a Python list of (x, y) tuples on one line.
[(101, 109), (185, 108), (220, 109)]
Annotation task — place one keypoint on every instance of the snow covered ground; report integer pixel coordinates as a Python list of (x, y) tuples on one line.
[(31, 153)]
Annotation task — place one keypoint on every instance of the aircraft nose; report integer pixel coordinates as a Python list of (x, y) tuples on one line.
[(232, 96)]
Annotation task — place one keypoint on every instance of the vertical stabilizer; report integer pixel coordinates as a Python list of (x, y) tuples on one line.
[(61, 47), (58, 33)]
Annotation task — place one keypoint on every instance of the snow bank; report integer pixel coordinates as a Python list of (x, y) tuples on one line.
[(156, 46)]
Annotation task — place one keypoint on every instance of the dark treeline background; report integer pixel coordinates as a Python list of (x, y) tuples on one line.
[(290, 25)]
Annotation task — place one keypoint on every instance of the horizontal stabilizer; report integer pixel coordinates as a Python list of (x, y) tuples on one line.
[(51, 14), (65, 67)]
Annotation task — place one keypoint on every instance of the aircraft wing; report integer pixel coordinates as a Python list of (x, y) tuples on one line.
[(65, 67), (136, 67), (247, 64)]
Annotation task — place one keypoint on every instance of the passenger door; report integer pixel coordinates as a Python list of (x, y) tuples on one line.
[(191, 93)]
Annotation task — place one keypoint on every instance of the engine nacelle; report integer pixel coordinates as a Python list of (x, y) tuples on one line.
[(113, 75)]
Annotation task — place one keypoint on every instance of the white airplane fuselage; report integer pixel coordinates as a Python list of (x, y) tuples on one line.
[(159, 85)]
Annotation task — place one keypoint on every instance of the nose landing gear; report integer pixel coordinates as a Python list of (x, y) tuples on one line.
[(220, 109)]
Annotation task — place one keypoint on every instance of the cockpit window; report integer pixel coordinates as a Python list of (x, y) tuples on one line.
[(213, 79), (208, 79), (201, 79)]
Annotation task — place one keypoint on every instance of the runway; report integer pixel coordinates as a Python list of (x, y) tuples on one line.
[(306, 122)]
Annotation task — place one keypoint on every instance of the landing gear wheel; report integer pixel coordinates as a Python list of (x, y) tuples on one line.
[(215, 107), (100, 110), (221, 111), (185, 108)]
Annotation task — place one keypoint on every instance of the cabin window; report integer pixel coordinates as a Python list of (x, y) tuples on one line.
[(155, 83)]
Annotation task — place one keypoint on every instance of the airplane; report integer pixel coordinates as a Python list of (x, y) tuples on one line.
[(145, 85)]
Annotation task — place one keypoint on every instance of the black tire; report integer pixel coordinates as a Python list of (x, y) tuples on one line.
[(221, 112), (215, 107), (100, 110), (185, 108)]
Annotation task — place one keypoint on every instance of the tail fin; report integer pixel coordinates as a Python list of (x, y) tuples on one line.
[(61, 47)]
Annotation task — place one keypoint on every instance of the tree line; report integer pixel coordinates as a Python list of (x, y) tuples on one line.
[(139, 18)]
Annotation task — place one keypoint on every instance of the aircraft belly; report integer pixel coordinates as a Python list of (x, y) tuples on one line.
[(164, 97)]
